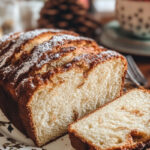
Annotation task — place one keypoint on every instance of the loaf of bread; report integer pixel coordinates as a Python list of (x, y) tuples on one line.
[(123, 124), (49, 78)]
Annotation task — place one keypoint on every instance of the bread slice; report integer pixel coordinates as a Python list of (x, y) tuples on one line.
[(49, 78), (121, 124)]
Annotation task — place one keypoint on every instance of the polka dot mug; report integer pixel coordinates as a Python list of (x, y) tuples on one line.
[(134, 17)]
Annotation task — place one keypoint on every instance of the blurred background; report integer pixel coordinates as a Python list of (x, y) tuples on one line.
[(122, 25), (17, 15)]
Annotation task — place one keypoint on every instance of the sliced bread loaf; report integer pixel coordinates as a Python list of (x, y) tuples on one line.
[(119, 125), (49, 78)]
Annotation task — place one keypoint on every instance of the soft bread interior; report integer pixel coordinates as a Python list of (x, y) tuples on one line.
[(122, 123), (53, 108)]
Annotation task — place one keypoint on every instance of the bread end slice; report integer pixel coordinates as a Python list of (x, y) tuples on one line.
[(122, 124)]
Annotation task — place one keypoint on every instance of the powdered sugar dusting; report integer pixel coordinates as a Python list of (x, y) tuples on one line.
[(78, 58), (6, 70), (52, 56), (25, 82), (59, 40), (89, 58), (56, 55), (29, 35), (35, 33), (101, 56), (18, 42), (68, 65), (86, 57), (41, 49), (8, 37), (108, 53)]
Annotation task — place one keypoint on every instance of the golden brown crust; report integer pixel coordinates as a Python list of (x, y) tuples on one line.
[(26, 117), (79, 144), (77, 140), (10, 109), (7, 38)]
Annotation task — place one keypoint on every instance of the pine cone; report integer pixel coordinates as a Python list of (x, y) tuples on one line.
[(70, 15)]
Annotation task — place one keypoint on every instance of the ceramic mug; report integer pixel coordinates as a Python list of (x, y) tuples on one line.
[(134, 17)]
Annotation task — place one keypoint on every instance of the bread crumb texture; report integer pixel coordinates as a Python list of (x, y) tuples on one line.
[(123, 123)]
